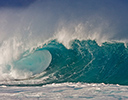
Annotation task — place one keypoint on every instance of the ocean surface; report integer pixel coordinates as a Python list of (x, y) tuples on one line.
[(83, 71), (63, 50), (66, 91)]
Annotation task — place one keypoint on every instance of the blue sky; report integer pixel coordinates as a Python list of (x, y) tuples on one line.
[(15, 3)]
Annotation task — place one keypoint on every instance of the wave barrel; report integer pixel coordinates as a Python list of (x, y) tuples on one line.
[(36, 62)]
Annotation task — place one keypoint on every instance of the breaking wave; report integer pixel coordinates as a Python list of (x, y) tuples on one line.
[(84, 61)]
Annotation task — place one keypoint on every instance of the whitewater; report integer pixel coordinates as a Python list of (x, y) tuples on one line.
[(49, 52)]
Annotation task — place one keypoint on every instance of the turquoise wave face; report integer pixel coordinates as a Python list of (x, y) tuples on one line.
[(36, 62), (85, 61)]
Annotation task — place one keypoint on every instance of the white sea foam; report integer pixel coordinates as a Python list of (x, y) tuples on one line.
[(66, 91), (83, 31)]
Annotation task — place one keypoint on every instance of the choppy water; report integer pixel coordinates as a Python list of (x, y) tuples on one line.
[(66, 91)]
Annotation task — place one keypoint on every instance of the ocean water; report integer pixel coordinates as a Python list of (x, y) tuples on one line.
[(66, 91), (83, 71), (64, 50)]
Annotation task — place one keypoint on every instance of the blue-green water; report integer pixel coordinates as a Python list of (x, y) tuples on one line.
[(85, 61), (63, 50), (83, 71)]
